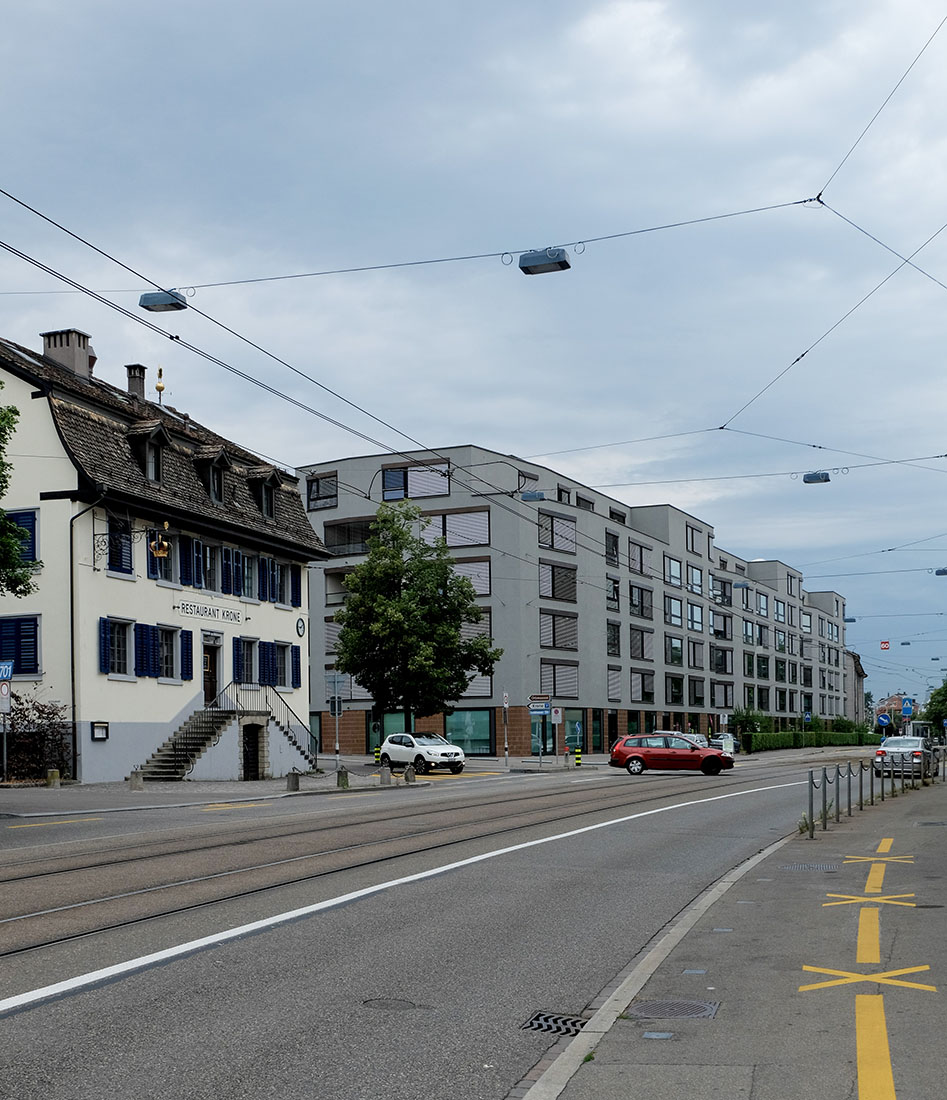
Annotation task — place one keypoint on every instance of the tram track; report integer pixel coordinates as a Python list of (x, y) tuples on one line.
[(544, 808)]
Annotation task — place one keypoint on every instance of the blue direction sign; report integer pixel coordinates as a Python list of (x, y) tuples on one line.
[(6, 670), (807, 717), (538, 708), (884, 720)]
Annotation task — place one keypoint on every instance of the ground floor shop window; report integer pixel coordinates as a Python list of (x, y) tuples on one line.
[(472, 731), (575, 731)]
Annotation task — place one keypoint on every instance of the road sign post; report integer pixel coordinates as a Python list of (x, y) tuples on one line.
[(6, 671), (506, 729)]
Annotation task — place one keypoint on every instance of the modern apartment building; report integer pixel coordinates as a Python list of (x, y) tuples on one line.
[(628, 618)]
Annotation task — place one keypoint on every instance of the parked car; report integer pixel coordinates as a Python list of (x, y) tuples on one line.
[(423, 750), (716, 742), (906, 756), (666, 750)]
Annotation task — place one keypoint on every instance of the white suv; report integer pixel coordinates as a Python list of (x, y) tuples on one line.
[(423, 750)]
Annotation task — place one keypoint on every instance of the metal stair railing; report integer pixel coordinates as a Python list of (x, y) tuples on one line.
[(262, 698)]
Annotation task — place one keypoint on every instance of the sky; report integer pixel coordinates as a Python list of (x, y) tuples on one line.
[(805, 143)]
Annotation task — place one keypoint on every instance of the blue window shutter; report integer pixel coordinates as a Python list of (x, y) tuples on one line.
[(187, 655), (27, 522), (154, 651), (274, 585), (141, 655), (295, 586), (226, 570), (198, 581), (267, 662), (263, 571), (187, 559), (152, 560), (296, 657), (237, 661), (104, 646), (237, 573)]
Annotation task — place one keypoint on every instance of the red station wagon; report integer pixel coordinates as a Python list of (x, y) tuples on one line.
[(667, 750)]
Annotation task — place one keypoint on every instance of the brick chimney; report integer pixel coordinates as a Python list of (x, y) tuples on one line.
[(136, 380), (71, 349)]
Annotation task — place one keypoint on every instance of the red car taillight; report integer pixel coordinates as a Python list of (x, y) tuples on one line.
[(880, 752), (917, 754)]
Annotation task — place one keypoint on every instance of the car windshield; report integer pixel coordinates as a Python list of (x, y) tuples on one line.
[(430, 739), (901, 743)]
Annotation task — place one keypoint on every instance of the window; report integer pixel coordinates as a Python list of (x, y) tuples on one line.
[(762, 634), (167, 653), (762, 603), (471, 730), (780, 670), (245, 660), (673, 611), (119, 544), (721, 660), (749, 697), (807, 679), (695, 617), (248, 569), (821, 627), (211, 568), (614, 683), (640, 602), (806, 622), (114, 648), (322, 491), (674, 690), (721, 626), (695, 691), (561, 680), (558, 631), (722, 591), (26, 521), (557, 533), (458, 528), (415, 481), (642, 644), (215, 483), (557, 582), (721, 695), (793, 670), (695, 654), (153, 463), (612, 592), (747, 599), (749, 664), (695, 579), (267, 500), (790, 584), (611, 548), (762, 698), (478, 573), (693, 538), (584, 503), (673, 650), (19, 643), (779, 611), (779, 640), (642, 687), (616, 517), (780, 698), (748, 632), (762, 667), (160, 556), (672, 571), (563, 495), (613, 639), (639, 557)]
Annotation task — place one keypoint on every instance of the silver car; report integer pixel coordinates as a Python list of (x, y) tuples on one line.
[(423, 750), (906, 756)]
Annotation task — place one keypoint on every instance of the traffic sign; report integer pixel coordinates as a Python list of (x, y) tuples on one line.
[(6, 670), (907, 708), (885, 645), (540, 698), (538, 708), (4, 696), (884, 720), (807, 717), (557, 716), (506, 699)]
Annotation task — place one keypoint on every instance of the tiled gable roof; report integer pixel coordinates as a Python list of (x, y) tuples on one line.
[(105, 431)]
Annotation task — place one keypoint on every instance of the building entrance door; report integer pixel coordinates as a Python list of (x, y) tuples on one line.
[(542, 732), (211, 684), (251, 752)]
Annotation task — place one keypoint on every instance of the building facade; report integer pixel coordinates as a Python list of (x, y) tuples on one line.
[(170, 618), (627, 618)]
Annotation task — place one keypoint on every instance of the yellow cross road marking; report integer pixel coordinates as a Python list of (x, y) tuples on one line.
[(876, 859), (233, 806), (68, 821), (887, 977), (875, 1080), (854, 899), (876, 877), (885, 845), (869, 937)]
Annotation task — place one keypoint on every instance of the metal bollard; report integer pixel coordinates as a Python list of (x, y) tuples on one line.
[(838, 793), (292, 781), (52, 777), (342, 779), (377, 755), (384, 777), (825, 800)]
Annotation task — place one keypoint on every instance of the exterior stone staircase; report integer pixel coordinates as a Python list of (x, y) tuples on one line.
[(172, 761)]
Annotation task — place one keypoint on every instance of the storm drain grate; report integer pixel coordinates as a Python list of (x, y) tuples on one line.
[(555, 1024), (681, 1010), (809, 867), (932, 823)]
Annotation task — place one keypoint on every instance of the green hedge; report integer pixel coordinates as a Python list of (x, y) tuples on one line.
[(797, 739)]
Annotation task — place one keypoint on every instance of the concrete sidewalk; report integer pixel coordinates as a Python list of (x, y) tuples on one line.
[(816, 969)]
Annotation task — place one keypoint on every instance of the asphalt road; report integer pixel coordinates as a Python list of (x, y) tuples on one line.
[(415, 988)]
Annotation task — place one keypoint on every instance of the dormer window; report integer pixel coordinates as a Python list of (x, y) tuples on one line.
[(211, 463), (153, 460), (265, 480), (267, 500), (148, 442), (215, 484)]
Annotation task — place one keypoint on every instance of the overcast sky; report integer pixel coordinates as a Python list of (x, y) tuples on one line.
[(211, 142)]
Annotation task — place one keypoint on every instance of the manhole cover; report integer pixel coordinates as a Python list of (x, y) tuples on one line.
[(663, 1010), (390, 1004), (809, 867), (555, 1024)]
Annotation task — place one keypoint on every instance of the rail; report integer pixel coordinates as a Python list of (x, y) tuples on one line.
[(850, 772)]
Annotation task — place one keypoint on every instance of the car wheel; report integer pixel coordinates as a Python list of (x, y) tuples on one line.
[(635, 765), (710, 766), (420, 765), (456, 768), (385, 760)]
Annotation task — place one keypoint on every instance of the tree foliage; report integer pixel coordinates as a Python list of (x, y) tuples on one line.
[(935, 709), (16, 576), (401, 627), (38, 738)]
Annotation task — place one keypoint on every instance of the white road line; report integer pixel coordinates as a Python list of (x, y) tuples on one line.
[(108, 973)]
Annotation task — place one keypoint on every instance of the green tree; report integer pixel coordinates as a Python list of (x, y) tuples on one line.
[(935, 710), (401, 627), (16, 575)]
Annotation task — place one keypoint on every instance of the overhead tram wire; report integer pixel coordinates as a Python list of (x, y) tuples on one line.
[(884, 104)]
